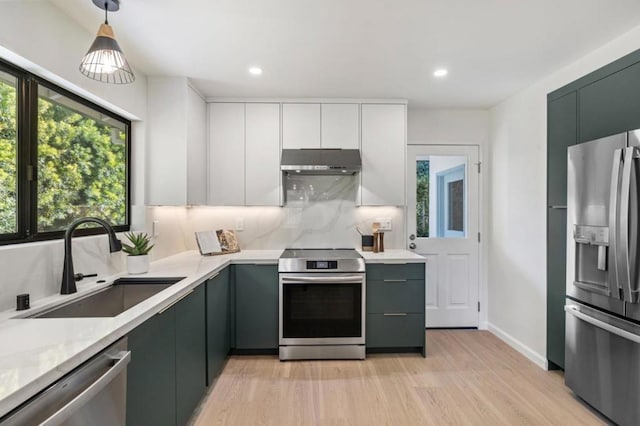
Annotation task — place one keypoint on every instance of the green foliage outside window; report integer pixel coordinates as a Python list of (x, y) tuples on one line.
[(8, 159), (422, 198), (81, 171)]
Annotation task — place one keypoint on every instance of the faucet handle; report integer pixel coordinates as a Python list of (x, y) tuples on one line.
[(116, 246)]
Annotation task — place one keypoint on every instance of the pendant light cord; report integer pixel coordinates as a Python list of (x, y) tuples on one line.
[(106, 11)]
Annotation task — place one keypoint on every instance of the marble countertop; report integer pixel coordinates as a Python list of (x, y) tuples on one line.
[(35, 352), (392, 256)]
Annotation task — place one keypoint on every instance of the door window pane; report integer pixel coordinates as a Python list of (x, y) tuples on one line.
[(8, 154), (441, 196), (81, 163)]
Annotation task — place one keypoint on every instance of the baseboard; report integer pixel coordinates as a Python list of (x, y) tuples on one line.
[(533, 356)]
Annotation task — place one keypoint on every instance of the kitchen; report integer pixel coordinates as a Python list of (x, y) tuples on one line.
[(506, 124)]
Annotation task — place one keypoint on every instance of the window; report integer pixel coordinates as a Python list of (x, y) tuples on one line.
[(61, 158), (441, 210)]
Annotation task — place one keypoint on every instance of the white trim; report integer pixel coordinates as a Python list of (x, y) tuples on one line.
[(308, 100), (533, 356)]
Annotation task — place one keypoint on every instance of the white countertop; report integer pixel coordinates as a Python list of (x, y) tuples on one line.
[(392, 256), (36, 352)]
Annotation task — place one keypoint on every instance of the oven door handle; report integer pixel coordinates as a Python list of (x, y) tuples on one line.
[(328, 280)]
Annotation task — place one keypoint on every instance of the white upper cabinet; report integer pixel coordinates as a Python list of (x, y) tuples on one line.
[(262, 155), (340, 125), (383, 154), (300, 126), (226, 154), (176, 166)]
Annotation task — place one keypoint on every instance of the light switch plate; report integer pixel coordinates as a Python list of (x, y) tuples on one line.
[(240, 224), (155, 228), (385, 223)]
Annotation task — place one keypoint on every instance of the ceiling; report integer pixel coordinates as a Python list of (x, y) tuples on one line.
[(361, 48)]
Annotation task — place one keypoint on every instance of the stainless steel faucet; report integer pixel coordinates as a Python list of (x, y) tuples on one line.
[(68, 277)]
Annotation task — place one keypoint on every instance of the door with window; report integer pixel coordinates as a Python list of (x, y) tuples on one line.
[(443, 225)]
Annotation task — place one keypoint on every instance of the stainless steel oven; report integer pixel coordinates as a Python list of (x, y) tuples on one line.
[(322, 304)]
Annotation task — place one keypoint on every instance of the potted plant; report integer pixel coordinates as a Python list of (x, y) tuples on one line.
[(138, 252)]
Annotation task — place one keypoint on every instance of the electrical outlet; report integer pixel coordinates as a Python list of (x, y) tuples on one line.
[(240, 224), (155, 228), (385, 223)]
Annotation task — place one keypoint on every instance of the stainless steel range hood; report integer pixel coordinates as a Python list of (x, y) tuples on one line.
[(321, 161)]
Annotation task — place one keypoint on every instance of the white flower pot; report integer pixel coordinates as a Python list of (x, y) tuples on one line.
[(138, 264)]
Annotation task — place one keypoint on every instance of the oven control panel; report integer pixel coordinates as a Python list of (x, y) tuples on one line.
[(322, 264)]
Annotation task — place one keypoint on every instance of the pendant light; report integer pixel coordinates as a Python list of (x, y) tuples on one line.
[(105, 61)]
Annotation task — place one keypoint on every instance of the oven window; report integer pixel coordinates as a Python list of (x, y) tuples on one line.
[(322, 310)]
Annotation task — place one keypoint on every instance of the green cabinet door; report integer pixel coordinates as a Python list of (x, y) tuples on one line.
[(256, 306), (191, 364), (610, 105), (556, 284), (218, 327), (151, 375), (562, 132)]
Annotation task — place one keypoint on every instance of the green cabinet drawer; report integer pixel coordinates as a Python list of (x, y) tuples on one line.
[(401, 296), (395, 331), (392, 271)]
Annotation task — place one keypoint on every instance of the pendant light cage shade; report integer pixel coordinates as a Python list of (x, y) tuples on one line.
[(105, 61)]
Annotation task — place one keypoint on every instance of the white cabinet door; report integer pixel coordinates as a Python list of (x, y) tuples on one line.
[(340, 126), (300, 126), (226, 154), (176, 151), (383, 154), (196, 148), (262, 155)]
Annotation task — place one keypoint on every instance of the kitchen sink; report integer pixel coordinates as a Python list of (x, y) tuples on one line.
[(123, 294)]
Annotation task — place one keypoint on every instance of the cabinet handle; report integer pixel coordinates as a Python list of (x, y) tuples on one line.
[(395, 281), (558, 207), (168, 307), (395, 315)]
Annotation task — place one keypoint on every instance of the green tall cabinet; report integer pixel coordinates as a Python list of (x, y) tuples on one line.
[(602, 103)]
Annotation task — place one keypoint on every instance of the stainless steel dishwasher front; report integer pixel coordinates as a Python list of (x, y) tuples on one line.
[(92, 394)]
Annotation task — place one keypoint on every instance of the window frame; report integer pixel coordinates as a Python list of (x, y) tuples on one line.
[(27, 159)]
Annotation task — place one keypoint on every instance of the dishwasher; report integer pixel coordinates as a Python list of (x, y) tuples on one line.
[(92, 394)]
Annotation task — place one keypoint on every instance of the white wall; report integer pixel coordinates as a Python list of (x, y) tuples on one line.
[(38, 37), (459, 127), (517, 208)]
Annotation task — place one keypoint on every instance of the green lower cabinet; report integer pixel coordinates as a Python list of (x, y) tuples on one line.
[(395, 331), (218, 324), (191, 363), (396, 307), (167, 374), (256, 307), (151, 375)]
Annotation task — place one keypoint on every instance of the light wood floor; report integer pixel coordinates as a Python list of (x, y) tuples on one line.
[(468, 377)]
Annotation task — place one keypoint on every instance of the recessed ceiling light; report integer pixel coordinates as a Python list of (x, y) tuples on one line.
[(255, 71), (441, 72)]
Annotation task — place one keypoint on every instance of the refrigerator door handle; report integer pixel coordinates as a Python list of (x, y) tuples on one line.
[(575, 311), (624, 271), (614, 198)]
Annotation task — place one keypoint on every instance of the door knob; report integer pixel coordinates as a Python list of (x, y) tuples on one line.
[(412, 246), (412, 237)]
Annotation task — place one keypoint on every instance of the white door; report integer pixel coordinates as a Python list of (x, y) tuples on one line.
[(442, 222)]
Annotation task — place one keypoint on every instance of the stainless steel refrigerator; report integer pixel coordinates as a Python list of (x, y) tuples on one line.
[(602, 349)]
